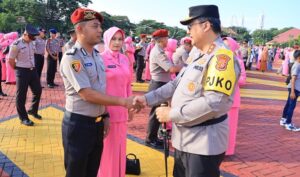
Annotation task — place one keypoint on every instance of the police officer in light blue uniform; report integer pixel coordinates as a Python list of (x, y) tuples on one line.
[(202, 94), (52, 47), (85, 121), (21, 58)]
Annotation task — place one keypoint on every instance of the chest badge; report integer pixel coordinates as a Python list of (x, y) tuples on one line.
[(191, 86), (201, 61)]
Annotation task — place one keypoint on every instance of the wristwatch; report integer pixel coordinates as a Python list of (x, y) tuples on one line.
[(105, 115)]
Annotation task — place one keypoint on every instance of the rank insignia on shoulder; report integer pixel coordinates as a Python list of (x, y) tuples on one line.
[(211, 48), (76, 65), (72, 51), (16, 42), (83, 52)]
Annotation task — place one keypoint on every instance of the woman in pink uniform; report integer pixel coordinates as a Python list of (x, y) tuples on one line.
[(10, 72), (233, 113), (118, 83), (129, 52), (170, 49)]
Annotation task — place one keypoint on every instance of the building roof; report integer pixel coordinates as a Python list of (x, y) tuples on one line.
[(286, 36)]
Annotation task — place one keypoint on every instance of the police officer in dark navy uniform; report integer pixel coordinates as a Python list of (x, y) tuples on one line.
[(85, 121), (21, 58)]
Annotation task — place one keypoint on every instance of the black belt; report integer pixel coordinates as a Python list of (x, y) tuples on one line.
[(83, 118), (32, 68), (212, 121)]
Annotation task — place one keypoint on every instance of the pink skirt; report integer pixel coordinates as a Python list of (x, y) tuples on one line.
[(113, 160)]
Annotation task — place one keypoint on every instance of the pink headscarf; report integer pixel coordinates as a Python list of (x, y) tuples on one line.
[(172, 45), (108, 34), (11, 35), (232, 44), (128, 40)]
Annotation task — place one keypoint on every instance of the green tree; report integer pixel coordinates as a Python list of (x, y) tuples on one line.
[(43, 13), (262, 36)]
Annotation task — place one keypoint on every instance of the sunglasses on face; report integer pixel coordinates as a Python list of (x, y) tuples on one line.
[(192, 24)]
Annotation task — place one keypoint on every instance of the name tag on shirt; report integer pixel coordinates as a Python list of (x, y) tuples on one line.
[(111, 66), (88, 64), (200, 68)]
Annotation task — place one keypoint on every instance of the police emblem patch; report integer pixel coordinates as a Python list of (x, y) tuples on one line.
[(222, 62), (76, 65)]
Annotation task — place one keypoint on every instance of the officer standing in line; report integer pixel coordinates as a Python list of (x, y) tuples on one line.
[(40, 45), (85, 122), (160, 68), (140, 61), (21, 58), (61, 45), (202, 94), (72, 40), (52, 47)]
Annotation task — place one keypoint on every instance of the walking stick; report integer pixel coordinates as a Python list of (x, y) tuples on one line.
[(166, 142)]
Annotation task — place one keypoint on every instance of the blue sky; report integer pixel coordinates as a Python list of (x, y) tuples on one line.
[(277, 13)]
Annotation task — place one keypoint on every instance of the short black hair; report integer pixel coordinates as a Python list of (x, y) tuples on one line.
[(215, 23), (296, 54)]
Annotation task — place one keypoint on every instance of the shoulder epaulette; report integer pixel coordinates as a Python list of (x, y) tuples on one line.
[(72, 51), (16, 42)]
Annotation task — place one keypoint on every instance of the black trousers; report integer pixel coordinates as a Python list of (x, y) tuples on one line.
[(27, 77), (39, 63), (140, 65), (83, 144), (194, 165), (60, 55), (153, 124), (51, 70)]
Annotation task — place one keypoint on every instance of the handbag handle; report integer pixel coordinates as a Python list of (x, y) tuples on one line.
[(131, 154)]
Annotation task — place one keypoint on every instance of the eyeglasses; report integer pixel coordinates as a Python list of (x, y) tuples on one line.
[(190, 25)]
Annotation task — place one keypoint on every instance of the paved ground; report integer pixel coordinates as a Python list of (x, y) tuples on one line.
[(263, 147)]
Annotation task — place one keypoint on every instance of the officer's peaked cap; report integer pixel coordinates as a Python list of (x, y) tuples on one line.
[(201, 11)]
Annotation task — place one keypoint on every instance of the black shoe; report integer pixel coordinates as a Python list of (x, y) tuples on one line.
[(27, 122), (154, 144), (3, 94), (140, 81), (35, 115), (50, 86)]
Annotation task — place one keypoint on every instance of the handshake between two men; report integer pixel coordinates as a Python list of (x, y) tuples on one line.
[(136, 103)]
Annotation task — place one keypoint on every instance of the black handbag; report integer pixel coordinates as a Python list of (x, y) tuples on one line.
[(133, 166)]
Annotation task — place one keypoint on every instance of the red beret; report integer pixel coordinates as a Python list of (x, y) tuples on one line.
[(83, 14), (160, 33), (143, 35), (187, 41)]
